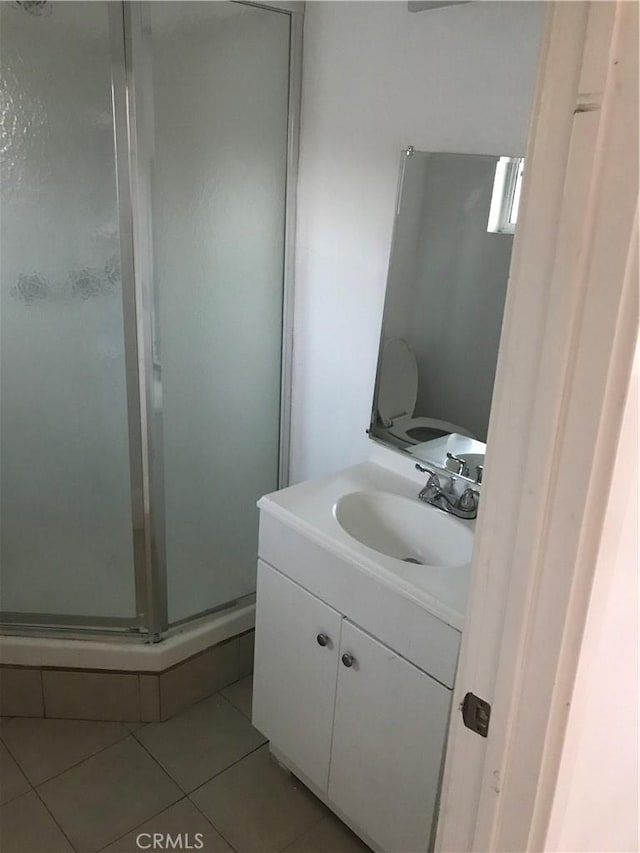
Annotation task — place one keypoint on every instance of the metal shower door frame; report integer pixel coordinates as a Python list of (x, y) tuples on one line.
[(146, 420), (132, 99), (31, 623), (146, 423)]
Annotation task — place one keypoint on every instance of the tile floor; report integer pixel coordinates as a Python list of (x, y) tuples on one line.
[(88, 786)]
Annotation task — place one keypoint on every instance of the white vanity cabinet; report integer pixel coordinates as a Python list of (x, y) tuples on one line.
[(388, 740), (294, 682), (356, 721)]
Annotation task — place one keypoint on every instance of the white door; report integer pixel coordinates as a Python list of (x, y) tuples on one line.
[(294, 682), (567, 346), (388, 742)]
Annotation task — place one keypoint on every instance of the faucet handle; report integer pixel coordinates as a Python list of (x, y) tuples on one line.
[(479, 474), (432, 486), (463, 467), (433, 481), (469, 499)]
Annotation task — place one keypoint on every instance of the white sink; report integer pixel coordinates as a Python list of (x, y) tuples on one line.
[(404, 528)]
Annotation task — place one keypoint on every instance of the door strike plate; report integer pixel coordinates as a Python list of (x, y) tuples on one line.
[(475, 714)]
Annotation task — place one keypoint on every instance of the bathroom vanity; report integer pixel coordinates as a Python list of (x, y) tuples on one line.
[(363, 576), (361, 596)]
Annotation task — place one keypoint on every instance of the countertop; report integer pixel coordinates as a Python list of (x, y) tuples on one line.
[(309, 508)]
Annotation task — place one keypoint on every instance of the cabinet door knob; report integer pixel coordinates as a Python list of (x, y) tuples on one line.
[(322, 639), (347, 659)]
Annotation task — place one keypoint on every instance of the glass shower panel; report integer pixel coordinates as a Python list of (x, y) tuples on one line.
[(220, 76), (66, 529)]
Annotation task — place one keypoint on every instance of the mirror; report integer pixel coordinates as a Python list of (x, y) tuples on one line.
[(446, 287)]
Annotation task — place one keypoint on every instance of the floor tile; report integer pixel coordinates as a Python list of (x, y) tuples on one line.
[(258, 806), (182, 820), (240, 694), (201, 741), (329, 836), (108, 795), (27, 827), (43, 748), (12, 779)]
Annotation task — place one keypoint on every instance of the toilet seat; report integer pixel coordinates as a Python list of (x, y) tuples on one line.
[(397, 395)]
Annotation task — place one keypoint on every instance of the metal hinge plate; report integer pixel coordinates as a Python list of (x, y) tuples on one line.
[(476, 714)]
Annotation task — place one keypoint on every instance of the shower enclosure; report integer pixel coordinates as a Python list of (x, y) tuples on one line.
[(148, 167)]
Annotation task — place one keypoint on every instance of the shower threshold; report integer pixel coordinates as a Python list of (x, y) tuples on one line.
[(129, 653)]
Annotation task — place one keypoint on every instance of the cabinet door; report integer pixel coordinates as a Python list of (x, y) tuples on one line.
[(388, 743), (295, 672)]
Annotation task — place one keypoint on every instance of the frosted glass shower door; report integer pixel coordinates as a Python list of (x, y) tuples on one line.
[(65, 505), (220, 80)]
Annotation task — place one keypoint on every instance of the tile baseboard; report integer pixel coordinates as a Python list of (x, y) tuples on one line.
[(124, 696)]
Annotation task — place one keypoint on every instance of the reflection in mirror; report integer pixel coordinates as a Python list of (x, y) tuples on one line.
[(443, 310)]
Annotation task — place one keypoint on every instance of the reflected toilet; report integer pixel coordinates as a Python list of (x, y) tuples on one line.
[(397, 395)]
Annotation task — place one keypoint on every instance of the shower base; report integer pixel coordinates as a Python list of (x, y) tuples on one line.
[(125, 679)]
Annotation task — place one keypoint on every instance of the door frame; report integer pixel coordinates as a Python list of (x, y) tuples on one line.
[(567, 346)]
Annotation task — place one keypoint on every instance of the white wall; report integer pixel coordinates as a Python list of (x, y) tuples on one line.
[(375, 79), (595, 807)]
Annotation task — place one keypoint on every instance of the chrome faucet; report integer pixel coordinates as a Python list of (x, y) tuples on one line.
[(464, 506)]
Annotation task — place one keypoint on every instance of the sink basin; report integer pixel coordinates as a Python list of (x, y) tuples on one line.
[(405, 529), (472, 459)]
